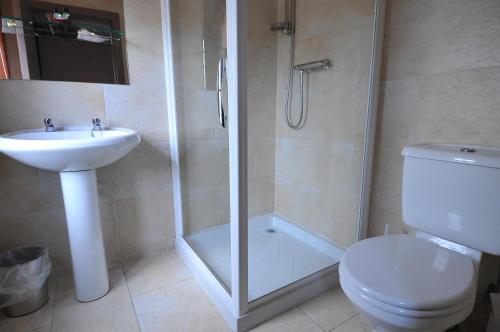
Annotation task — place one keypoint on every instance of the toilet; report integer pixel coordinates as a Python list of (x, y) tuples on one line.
[(427, 282)]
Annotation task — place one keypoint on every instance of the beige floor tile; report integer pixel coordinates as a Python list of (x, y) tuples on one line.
[(179, 307), (355, 324), (292, 320), (154, 272), (329, 310), (40, 318), (113, 312)]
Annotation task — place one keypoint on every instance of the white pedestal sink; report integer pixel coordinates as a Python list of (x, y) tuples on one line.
[(76, 153)]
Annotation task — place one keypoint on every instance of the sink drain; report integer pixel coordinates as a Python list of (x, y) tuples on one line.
[(271, 230)]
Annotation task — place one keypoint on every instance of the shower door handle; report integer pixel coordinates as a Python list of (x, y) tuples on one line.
[(220, 77)]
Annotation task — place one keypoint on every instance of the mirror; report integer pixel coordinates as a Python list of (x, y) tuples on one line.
[(63, 40), (214, 39)]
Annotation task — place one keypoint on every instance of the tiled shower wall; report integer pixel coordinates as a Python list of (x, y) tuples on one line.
[(203, 143), (135, 193), (441, 84), (318, 168)]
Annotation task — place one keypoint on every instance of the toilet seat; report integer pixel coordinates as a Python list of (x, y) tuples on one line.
[(354, 293), (398, 319), (409, 276)]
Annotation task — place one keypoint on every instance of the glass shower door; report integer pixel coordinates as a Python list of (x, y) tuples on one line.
[(199, 49)]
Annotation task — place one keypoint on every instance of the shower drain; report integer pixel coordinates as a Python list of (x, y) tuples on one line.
[(271, 230)]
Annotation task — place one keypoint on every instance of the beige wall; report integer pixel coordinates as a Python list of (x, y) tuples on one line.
[(318, 168), (441, 84), (135, 193), (204, 144)]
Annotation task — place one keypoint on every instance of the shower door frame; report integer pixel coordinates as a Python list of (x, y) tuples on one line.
[(234, 306)]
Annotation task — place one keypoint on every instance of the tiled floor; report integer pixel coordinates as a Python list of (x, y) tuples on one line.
[(160, 294)]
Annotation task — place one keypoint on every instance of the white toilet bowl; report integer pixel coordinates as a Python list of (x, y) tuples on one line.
[(428, 282), (402, 283)]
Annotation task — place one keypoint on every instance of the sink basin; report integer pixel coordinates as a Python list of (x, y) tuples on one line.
[(75, 153), (70, 149)]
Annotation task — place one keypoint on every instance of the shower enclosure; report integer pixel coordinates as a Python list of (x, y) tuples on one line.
[(272, 106)]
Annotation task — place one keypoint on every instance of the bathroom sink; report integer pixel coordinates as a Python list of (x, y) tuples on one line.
[(69, 149), (76, 153)]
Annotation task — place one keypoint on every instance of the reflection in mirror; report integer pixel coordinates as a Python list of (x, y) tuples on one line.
[(214, 39), (63, 40)]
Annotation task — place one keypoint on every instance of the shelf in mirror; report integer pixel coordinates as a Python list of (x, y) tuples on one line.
[(72, 30)]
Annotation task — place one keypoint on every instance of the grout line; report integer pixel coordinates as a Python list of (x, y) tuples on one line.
[(344, 322), (53, 305), (434, 75), (117, 230), (162, 287), (131, 298), (419, 111), (310, 318)]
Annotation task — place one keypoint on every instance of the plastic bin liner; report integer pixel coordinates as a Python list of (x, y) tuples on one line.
[(22, 270)]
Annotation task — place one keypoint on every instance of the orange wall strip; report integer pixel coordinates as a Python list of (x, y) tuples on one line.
[(4, 65)]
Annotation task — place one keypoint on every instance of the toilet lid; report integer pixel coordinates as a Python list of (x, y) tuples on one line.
[(407, 272)]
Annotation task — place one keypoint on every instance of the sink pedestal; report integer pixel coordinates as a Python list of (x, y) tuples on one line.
[(85, 234)]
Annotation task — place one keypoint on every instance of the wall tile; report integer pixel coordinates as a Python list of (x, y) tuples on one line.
[(188, 18), (46, 228), (380, 216), (334, 113), (436, 36), (348, 46), (264, 156), (145, 219), (198, 115), (387, 182), (320, 16), (261, 115), (302, 160), (20, 188), (205, 162), (461, 108), (262, 14), (200, 208), (260, 196), (51, 190), (319, 209), (142, 108), (444, 51), (144, 171), (10, 236), (397, 118), (68, 104)]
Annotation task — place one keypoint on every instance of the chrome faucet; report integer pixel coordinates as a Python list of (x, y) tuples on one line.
[(96, 126), (49, 124)]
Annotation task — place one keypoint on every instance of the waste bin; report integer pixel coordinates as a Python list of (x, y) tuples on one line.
[(23, 280), (494, 323)]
